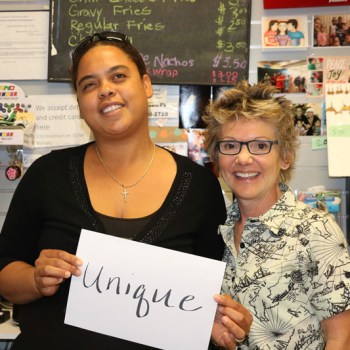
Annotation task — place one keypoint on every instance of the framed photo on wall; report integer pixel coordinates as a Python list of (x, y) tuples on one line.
[(284, 33), (286, 76), (309, 119), (331, 30)]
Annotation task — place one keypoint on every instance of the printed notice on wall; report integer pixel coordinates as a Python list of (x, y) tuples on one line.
[(163, 106), (24, 45), (160, 295), (57, 122)]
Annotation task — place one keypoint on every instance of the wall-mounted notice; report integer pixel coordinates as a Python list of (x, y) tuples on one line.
[(182, 42), (24, 45), (57, 122), (163, 106)]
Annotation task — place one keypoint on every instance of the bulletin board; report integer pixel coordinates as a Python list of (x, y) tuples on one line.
[(182, 42)]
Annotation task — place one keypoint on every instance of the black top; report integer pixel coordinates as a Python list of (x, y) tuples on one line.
[(50, 207)]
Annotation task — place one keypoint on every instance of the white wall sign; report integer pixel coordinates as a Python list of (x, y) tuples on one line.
[(145, 294), (338, 128), (57, 122), (24, 45)]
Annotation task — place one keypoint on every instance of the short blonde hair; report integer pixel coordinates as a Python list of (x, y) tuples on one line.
[(253, 102)]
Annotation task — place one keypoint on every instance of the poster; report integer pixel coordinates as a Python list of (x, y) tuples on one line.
[(338, 128), (24, 45)]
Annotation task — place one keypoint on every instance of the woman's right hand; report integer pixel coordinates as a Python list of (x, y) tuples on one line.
[(52, 267)]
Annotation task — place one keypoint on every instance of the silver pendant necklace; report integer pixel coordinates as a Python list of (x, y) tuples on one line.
[(125, 191)]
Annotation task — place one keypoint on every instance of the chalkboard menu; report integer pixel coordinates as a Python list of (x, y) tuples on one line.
[(189, 42)]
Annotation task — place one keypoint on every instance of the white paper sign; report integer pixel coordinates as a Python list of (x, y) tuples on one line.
[(24, 45), (163, 106), (338, 128), (145, 294), (57, 122)]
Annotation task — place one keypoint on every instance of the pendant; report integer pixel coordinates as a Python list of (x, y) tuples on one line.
[(125, 193)]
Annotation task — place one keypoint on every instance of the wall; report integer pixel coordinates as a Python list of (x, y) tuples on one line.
[(311, 165)]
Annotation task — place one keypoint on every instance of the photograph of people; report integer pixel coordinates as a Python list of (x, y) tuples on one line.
[(299, 115), (313, 125), (322, 39), (312, 63), (120, 184), (287, 76), (310, 116), (287, 262), (331, 30)]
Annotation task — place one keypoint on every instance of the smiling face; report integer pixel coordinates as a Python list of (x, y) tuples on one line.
[(274, 26), (310, 114), (299, 112), (290, 27), (254, 179), (112, 95), (336, 41), (282, 27)]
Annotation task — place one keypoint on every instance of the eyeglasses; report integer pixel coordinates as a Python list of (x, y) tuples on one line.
[(103, 36), (256, 147)]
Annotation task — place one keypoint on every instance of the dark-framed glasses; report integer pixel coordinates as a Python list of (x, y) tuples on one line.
[(256, 147), (102, 36)]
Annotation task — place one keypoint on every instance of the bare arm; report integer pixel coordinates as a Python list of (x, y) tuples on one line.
[(337, 331), (266, 40), (22, 283)]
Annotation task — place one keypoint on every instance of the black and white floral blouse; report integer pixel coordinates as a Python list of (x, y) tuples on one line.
[(292, 271)]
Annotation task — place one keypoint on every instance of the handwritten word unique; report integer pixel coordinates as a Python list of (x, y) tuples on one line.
[(103, 284)]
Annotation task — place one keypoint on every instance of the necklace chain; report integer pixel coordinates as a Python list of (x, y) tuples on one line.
[(125, 191)]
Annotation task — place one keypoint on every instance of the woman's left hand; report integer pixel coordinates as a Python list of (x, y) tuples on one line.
[(232, 322)]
